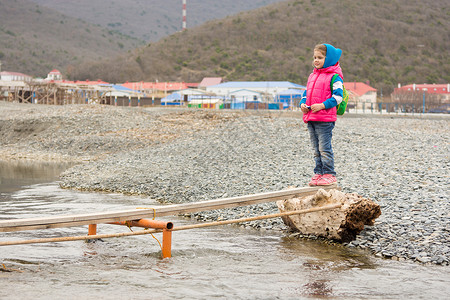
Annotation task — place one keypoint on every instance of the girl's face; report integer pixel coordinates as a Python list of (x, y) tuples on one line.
[(319, 59)]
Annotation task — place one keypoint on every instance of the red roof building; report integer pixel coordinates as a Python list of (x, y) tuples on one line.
[(429, 88), (54, 75), (90, 82), (80, 82), (155, 87), (439, 93), (359, 88), (209, 81), (360, 92)]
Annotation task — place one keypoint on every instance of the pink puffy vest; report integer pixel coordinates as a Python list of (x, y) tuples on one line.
[(318, 90)]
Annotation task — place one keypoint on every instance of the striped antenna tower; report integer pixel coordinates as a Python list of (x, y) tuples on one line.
[(184, 15)]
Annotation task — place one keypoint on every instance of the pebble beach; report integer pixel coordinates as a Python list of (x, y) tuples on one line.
[(177, 155)]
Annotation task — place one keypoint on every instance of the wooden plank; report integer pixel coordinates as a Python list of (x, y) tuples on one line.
[(178, 228), (157, 211)]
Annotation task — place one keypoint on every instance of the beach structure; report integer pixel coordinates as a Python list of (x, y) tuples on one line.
[(60, 92), (136, 218), (14, 86), (18, 87)]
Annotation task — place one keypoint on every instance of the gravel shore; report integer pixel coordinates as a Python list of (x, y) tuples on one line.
[(178, 155)]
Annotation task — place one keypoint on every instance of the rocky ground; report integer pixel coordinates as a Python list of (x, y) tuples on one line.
[(177, 155)]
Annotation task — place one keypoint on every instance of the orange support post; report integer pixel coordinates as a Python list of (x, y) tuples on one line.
[(145, 223), (167, 243), (165, 226), (92, 229)]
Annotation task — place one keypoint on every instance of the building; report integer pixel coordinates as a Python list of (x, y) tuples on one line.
[(267, 89), (440, 92), (209, 81), (54, 75), (361, 94), (290, 98), (15, 76), (178, 97), (158, 89), (423, 97), (245, 95)]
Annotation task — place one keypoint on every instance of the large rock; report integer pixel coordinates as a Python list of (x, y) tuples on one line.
[(339, 224)]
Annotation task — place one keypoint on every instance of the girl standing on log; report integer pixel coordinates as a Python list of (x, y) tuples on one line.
[(319, 110)]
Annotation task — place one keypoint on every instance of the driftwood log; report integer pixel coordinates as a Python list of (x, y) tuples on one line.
[(340, 224)]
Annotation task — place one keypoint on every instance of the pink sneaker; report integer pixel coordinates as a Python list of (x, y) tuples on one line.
[(313, 181), (326, 179)]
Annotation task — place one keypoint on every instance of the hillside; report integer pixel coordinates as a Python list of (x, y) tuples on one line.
[(149, 20), (35, 39), (384, 42)]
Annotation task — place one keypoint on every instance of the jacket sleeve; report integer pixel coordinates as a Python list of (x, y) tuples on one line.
[(303, 100), (336, 94)]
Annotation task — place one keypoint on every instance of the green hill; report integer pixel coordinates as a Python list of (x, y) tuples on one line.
[(35, 39), (150, 20), (385, 42)]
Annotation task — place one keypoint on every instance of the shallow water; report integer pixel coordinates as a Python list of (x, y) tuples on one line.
[(216, 262)]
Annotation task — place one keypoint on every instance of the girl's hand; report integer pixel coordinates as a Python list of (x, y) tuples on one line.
[(304, 108), (316, 107)]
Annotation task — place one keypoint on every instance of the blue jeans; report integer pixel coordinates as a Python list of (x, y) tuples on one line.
[(320, 134)]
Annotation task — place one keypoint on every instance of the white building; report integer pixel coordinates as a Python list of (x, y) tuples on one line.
[(245, 95), (265, 88), (54, 75), (14, 76)]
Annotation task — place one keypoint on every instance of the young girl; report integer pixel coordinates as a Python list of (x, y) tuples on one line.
[(319, 110)]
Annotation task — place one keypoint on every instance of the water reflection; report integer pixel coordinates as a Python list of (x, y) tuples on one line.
[(320, 263), (15, 174), (323, 252)]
